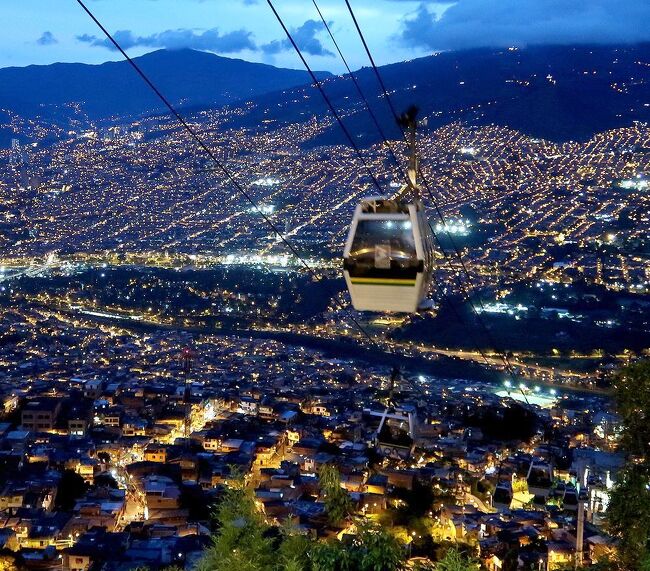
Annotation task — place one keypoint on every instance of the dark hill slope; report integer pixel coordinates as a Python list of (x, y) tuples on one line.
[(186, 77), (556, 92)]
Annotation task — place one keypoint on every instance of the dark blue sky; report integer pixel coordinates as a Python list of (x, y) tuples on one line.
[(45, 31)]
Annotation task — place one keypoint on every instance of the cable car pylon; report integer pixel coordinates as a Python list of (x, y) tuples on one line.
[(388, 257)]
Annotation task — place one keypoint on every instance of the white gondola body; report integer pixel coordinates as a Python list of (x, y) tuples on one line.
[(388, 256)]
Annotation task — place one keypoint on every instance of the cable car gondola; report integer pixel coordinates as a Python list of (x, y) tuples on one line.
[(388, 256)]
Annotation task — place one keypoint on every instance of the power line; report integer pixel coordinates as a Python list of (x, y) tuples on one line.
[(218, 163), (401, 170), (360, 91), (319, 86), (503, 356), (358, 88)]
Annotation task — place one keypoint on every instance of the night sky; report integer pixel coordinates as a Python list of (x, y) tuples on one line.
[(45, 31)]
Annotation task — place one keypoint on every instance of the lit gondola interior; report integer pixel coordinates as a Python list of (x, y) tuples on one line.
[(388, 257)]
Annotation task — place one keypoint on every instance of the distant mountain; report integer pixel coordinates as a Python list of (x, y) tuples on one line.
[(559, 93), (556, 92), (64, 91)]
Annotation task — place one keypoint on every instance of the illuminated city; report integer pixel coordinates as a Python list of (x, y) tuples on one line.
[(184, 383)]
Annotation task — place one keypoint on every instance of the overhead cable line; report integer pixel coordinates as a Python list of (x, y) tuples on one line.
[(331, 107), (345, 130), (193, 133), (319, 86), (387, 97), (358, 88), (402, 172)]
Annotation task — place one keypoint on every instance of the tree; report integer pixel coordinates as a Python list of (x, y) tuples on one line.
[(337, 502), (71, 487), (8, 563), (454, 560), (373, 548), (329, 556), (245, 542), (418, 501), (628, 514), (241, 542), (379, 550), (511, 560), (106, 480), (294, 551), (197, 501), (601, 565), (632, 391)]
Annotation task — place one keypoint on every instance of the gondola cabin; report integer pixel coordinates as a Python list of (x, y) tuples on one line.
[(388, 256)]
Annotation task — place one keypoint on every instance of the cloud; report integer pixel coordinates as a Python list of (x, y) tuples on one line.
[(212, 40), (489, 23), (305, 38), (47, 39)]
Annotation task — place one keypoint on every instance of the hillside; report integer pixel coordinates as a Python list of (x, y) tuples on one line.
[(559, 93), (64, 91)]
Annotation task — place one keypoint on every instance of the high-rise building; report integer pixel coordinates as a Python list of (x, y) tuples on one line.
[(18, 156), (15, 156)]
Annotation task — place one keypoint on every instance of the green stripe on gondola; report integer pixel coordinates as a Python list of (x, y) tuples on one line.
[(383, 282)]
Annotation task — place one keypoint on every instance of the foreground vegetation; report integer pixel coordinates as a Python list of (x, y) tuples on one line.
[(629, 509), (246, 542)]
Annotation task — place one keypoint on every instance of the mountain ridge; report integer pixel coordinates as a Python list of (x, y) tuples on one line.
[(542, 91), (560, 93), (102, 91)]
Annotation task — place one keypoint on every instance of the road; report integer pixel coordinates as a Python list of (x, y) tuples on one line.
[(444, 363)]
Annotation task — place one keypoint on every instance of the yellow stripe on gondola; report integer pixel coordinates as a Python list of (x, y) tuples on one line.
[(382, 281)]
